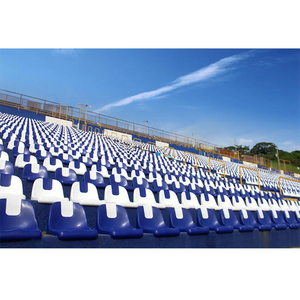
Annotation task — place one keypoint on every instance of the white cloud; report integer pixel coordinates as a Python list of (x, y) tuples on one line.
[(245, 142), (63, 51), (203, 74)]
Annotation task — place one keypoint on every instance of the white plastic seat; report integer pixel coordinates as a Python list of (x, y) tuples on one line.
[(238, 203), (78, 167), (11, 185), (168, 198), (118, 195), (103, 171), (169, 179), (123, 172), (52, 163), (47, 190), (55, 151), (4, 156), (223, 201), (189, 200), (263, 204), (22, 160), (143, 196), (153, 176), (273, 204), (85, 193), (292, 206), (251, 204), (208, 201), (184, 180)]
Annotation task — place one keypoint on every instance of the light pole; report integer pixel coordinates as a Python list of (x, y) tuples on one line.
[(236, 147), (145, 126), (83, 106)]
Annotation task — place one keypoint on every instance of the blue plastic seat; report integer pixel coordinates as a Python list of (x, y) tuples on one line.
[(207, 218), (264, 219), (19, 150), (195, 188), (278, 220), (65, 176), (65, 158), (228, 218), (181, 218), (67, 220), (158, 185), (116, 179), (139, 182), (95, 178), (17, 220), (178, 187), (150, 220), (42, 154), (6, 167), (291, 220), (112, 219), (86, 160), (33, 171)]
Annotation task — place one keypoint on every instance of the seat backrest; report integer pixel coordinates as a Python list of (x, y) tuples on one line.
[(206, 217), (208, 201), (67, 215), (111, 216), (247, 217), (251, 204), (181, 218), (149, 217), (11, 185), (277, 217), (168, 198), (263, 217), (140, 182), (17, 214), (34, 171), (224, 201), (189, 199)]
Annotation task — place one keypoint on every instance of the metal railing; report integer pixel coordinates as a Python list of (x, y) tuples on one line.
[(84, 117)]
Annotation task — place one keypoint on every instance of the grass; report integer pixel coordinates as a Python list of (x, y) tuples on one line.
[(288, 168)]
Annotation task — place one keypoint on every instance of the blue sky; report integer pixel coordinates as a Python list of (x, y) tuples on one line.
[(212, 94)]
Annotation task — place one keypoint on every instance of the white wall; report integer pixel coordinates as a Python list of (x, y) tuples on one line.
[(226, 159), (250, 165), (58, 121), (161, 144)]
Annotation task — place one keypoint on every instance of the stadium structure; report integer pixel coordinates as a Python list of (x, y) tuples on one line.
[(72, 178)]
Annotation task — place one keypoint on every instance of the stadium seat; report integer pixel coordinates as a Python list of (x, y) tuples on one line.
[(150, 220), (117, 179), (290, 219), (65, 176), (181, 218), (52, 163), (6, 167), (207, 218), (24, 159), (42, 154), (278, 220), (17, 220), (208, 201), (112, 219), (78, 167), (168, 198), (223, 201), (264, 219), (95, 178), (143, 196), (33, 171), (178, 187), (47, 190), (228, 218), (85, 193), (140, 182), (158, 185), (118, 195), (11, 185), (67, 220), (195, 189), (65, 158), (189, 200), (4, 156), (101, 169)]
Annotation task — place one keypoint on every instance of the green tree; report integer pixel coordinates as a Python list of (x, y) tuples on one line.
[(263, 148), (240, 148)]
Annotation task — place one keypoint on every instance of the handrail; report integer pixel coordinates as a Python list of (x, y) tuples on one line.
[(222, 161), (137, 140), (282, 177), (122, 138), (151, 143), (46, 107), (241, 181), (195, 158), (169, 148)]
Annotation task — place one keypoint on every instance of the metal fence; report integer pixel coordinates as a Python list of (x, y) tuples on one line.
[(82, 116)]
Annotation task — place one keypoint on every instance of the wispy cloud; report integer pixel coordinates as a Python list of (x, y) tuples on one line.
[(63, 52), (243, 141), (204, 74)]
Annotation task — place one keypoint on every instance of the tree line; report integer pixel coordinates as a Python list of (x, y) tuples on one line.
[(269, 151)]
